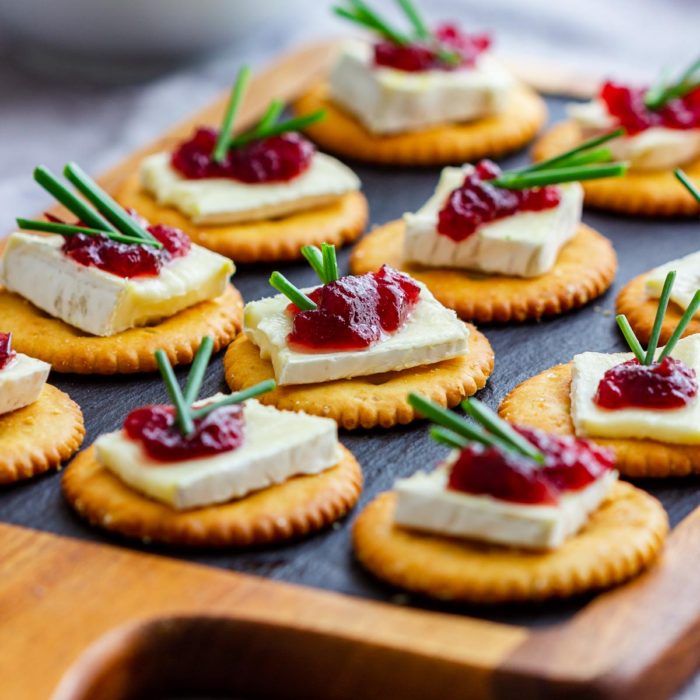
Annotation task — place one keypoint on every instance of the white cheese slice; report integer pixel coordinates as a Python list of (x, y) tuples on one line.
[(431, 333), (677, 426), (278, 445), (390, 101), (227, 201), (686, 284), (99, 302), (524, 245), (657, 148), (21, 382), (425, 503)]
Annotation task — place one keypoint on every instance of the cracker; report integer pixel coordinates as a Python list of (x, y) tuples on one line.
[(544, 402), (40, 436), (292, 509), (585, 269), (623, 537), (367, 402), (339, 222), (655, 193), (490, 137), (640, 310), (68, 349)]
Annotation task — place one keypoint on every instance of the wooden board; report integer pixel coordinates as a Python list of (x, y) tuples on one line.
[(126, 622)]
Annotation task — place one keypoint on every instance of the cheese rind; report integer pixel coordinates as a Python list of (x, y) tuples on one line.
[(99, 302), (391, 101), (657, 148), (277, 446), (21, 382), (425, 503), (676, 426), (687, 280), (526, 244), (227, 201), (431, 333)]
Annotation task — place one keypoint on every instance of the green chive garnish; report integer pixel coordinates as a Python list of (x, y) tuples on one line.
[(554, 176), (70, 230), (634, 344), (104, 203), (687, 182), (360, 13), (225, 134), (659, 319), (74, 204), (183, 418), (295, 124), (199, 367), (419, 25), (238, 397), (294, 294), (686, 318), (272, 113), (330, 262), (448, 437), (663, 92), (315, 258)]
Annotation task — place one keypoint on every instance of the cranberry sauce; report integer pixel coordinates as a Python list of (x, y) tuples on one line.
[(125, 259), (273, 159), (666, 384), (476, 202), (570, 464), (154, 427), (627, 106), (422, 56), (354, 312), (7, 354)]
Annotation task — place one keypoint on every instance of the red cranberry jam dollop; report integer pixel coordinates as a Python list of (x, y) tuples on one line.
[(570, 464), (666, 384), (154, 427), (626, 104), (476, 202), (7, 354), (354, 312), (273, 159), (418, 56), (125, 259)]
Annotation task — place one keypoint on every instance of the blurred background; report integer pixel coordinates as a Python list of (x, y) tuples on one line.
[(91, 80)]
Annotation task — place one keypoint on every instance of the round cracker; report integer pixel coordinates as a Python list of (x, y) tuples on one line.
[(294, 508), (585, 268), (640, 310), (339, 222), (650, 193), (621, 538), (68, 349), (40, 436), (494, 136), (366, 402), (544, 402)]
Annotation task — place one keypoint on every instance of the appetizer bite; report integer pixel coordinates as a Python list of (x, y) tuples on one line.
[(40, 426), (349, 348), (256, 195), (661, 130), (504, 246), (98, 295), (221, 471), (638, 299), (420, 96), (512, 514), (644, 405)]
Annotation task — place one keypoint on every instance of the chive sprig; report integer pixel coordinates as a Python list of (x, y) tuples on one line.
[(689, 185), (663, 91), (185, 415), (489, 429), (646, 357)]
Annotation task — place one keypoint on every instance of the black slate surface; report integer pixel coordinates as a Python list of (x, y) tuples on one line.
[(325, 560)]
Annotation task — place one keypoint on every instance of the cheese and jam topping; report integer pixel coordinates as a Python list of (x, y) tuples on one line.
[(199, 453), (351, 326), (268, 171), (686, 284), (662, 124), (504, 484), (21, 377), (107, 273)]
